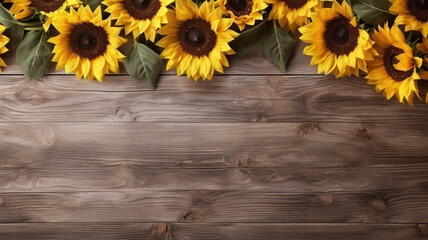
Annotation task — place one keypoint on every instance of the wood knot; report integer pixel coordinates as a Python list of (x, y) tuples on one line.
[(275, 80), (1, 201), (124, 168), (307, 128), (203, 192), (326, 199), (159, 231), (364, 134), (423, 228), (250, 103), (314, 175), (238, 160), (48, 138), (36, 101), (189, 216), (124, 114), (378, 204), (272, 176), (161, 228), (43, 135), (30, 94), (259, 118)]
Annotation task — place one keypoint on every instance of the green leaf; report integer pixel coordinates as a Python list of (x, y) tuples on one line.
[(93, 4), (34, 54), (249, 39), (278, 46), (143, 64), (14, 31), (374, 12)]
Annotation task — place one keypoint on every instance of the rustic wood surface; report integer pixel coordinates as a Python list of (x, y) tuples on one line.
[(254, 154)]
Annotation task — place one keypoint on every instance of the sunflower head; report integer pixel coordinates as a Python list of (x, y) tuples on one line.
[(197, 39), (243, 12), (393, 71), (3, 41), (139, 16), (423, 47), (336, 44), (87, 44), (23, 9), (292, 14), (411, 13)]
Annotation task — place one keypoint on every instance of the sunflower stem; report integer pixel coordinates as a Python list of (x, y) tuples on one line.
[(33, 24), (33, 28)]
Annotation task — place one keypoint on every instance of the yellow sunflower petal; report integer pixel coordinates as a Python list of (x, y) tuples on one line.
[(88, 61)]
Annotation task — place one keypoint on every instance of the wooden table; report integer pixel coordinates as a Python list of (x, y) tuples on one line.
[(253, 154)]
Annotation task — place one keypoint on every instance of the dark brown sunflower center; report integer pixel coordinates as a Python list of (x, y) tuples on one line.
[(389, 59), (340, 36), (142, 9), (88, 40), (295, 3), (196, 37), (239, 7), (418, 9), (47, 5)]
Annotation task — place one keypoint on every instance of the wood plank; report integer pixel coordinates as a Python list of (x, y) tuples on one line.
[(278, 179), (404, 206), (197, 231), (226, 99), (205, 145), (299, 231), (255, 63)]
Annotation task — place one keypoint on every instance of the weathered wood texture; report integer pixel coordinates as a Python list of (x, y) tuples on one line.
[(403, 206), (254, 154), (225, 99), (197, 231), (266, 179), (211, 145)]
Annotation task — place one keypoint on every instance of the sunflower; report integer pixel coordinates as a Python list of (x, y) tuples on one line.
[(23, 9), (292, 13), (423, 47), (243, 12), (139, 16), (393, 71), (87, 44), (3, 41), (423, 73), (197, 40), (411, 13), (336, 43)]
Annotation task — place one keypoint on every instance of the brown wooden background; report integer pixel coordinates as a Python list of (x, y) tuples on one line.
[(253, 154)]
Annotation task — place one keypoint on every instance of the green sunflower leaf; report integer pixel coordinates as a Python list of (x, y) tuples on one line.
[(14, 31), (34, 55), (278, 47), (143, 64), (374, 12), (249, 39)]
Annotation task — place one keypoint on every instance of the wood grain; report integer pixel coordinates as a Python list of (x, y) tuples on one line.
[(403, 206), (267, 179), (255, 154), (205, 145), (225, 99), (197, 231)]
